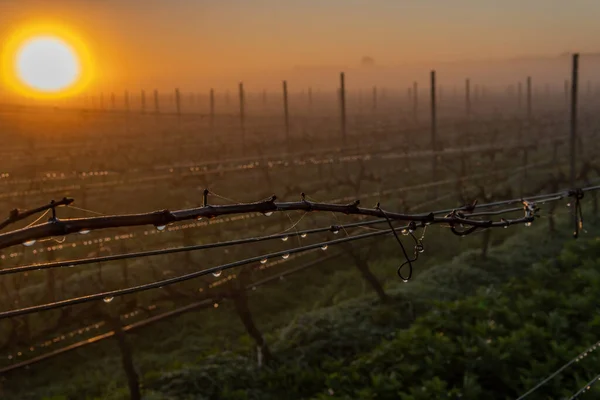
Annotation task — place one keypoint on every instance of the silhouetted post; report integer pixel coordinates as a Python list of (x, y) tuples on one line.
[(374, 98), (178, 102), (242, 116), (126, 101), (409, 97), (519, 96), (156, 104), (126, 357), (286, 115), (567, 92), (468, 97), (529, 99), (574, 83), (310, 98), (102, 101), (343, 107), (212, 108), (113, 103), (415, 94), (433, 127), (143, 101)]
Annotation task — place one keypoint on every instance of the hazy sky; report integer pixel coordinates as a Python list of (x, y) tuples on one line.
[(143, 40)]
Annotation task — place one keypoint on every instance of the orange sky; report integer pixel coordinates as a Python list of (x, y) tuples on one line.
[(201, 43)]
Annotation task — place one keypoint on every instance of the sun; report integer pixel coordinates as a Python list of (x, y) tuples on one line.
[(47, 64), (46, 61)]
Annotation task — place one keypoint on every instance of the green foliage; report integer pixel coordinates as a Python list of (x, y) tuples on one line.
[(485, 328)]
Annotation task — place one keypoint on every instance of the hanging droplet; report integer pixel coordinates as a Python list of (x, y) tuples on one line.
[(303, 235), (405, 232), (335, 231), (29, 243), (405, 280), (528, 224), (421, 249), (568, 204), (324, 247), (84, 232), (268, 213), (216, 305), (263, 261), (505, 226), (217, 274), (286, 256), (160, 227), (285, 238), (411, 230), (71, 266), (108, 299)]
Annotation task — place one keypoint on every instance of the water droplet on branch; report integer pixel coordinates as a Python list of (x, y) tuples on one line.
[(84, 232), (324, 247), (217, 274), (29, 243), (263, 261), (285, 238), (286, 256), (108, 299)]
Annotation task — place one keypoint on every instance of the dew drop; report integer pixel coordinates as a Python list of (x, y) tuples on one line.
[(268, 213), (505, 226), (405, 232), (336, 231), (84, 232), (405, 280), (568, 204), (216, 305), (161, 227), (285, 238), (528, 224), (303, 235), (71, 266), (286, 256), (263, 261), (324, 247), (108, 299), (29, 243), (217, 274)]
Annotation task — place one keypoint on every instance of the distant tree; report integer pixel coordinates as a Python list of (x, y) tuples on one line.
[(367, 61)]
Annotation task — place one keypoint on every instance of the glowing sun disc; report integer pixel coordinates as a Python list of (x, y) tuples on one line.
[(48, 64), (45, 61)]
